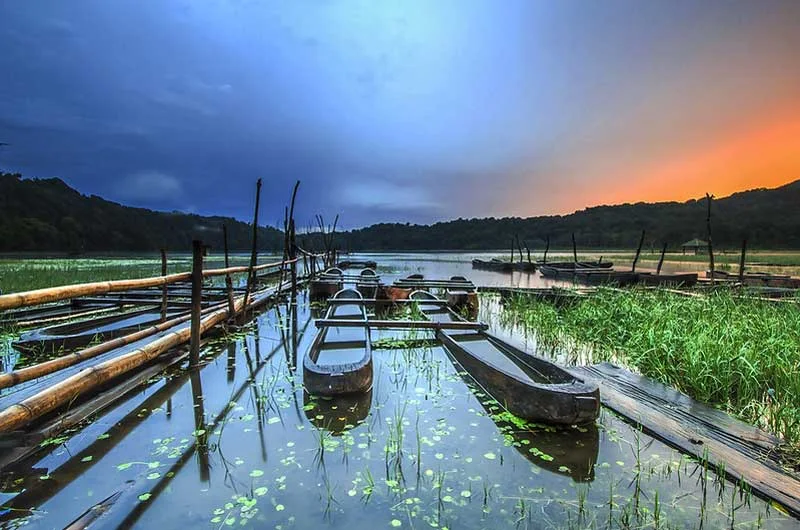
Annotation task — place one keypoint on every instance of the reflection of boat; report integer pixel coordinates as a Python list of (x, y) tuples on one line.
[(604, 277), (327, 284), (78, 334), (529, 387), (573, 449), (685, 279), (340, 358), (337, 414), (367, 283)]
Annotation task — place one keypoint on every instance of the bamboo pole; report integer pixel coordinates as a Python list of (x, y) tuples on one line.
[(661, 259), (164, 289), (69, 389), (638, 251), (228, 280), (741, 261), (519, 247), (528, 251), (253, 250), (574, 249), (546, 248), (197, 298), (512, 250), (65, 292), (710, 246)]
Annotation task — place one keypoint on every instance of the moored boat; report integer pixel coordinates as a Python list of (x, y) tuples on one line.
[(340, 358), (367, 283), (493, 264), (327, 284), (462, 298), (683, 279), (527, 386)]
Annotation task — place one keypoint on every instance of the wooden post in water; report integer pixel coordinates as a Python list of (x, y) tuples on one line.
[(512, 250), (253, 251), (574, 249), (710, 245), (200, 425), (528, 251), (228, 280), (293, 246), (638, 251), (546, 248), (519, 247), (741, 261), (661, 259), (197, 298), (164, 288)]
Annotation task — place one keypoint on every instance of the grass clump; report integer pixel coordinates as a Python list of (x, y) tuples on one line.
[(738, 354)]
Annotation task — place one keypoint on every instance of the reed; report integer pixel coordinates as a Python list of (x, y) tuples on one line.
[(735, 353)]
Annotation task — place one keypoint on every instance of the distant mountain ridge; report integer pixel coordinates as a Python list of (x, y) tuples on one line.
[(48, 215), (768, 218)]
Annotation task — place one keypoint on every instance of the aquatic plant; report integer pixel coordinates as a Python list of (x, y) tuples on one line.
[(736, 353)]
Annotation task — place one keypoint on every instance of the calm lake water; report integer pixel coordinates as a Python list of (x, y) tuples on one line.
[(237, 442)]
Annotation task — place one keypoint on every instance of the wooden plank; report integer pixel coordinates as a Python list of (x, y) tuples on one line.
[(398, 324), (374, 301), (698, 430)]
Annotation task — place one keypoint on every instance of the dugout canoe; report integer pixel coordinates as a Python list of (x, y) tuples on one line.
[(327, 284), (493, 264), (367, 283), (339, 361), (530, 387), (683, 279)]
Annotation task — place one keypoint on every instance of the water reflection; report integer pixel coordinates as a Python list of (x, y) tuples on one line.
[(337, 415)]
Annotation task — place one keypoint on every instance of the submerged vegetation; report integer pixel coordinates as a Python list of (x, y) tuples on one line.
[(739, 354)]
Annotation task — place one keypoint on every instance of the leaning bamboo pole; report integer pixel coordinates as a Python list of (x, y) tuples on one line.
[(18, 415), (54, 294)]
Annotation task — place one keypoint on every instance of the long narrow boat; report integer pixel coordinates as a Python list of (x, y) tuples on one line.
[(327, 284), (527, 386), (493, 264), (462, 298), (340, 358), (578, 264), (758, 279), (605, 277), (367, 283)]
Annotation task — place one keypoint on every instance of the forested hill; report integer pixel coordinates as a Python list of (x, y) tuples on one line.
[(48, 215), (768, 218)]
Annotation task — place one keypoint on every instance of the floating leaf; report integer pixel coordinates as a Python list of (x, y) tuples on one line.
[(87, 458), (280, 508), (144, 496), (396, 522), (490, 456), (256, 473)]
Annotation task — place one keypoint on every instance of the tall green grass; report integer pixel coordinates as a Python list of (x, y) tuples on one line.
[(739, 354)]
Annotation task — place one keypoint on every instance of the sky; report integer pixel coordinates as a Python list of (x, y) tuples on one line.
[(401, 111)]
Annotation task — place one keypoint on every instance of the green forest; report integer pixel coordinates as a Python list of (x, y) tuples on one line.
[(48, 215)]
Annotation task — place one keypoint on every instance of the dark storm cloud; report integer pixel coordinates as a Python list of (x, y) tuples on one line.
[(387, 110)]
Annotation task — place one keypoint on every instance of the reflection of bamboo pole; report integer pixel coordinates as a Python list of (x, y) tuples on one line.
[(54, 294), (201, 433), (67, 390)]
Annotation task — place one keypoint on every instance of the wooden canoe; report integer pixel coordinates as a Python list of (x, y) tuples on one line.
[(492, 265), (327, 284), (527, 386), (339, 361), (78, 334), (685, 279), (462, 298), (367, 283)]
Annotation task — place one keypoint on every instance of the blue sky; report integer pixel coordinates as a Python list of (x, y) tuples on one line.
[(396, 110)]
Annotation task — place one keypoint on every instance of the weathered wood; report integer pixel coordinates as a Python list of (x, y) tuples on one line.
[(741, 261), (374, 301), (228, 280), (638, 251), (197, 297), (746, 452), (253, 249), (546, 248), (69, 389), (710, 244), (661, 259), (574, 249), (165, 287), (397, 324), (55, 294)]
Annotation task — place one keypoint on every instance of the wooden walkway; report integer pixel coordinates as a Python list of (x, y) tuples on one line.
[(746, 452)]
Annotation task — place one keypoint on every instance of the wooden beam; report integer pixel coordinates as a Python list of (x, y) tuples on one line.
[(398, 324)]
